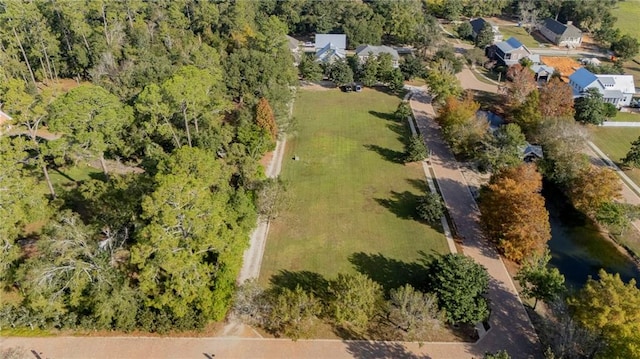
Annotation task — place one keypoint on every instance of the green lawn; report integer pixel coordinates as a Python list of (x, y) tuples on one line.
[(626, 117), (519, 33), (615, 142), (351, 197), (628, 13)]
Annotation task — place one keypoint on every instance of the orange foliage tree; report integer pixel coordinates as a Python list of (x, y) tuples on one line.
[(513, 214), (460, 125), (556, 99), (265, 118), (593, 187)]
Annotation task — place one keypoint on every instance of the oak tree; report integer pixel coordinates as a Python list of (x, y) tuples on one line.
[(556, 99), (593, 187), (538, 281)]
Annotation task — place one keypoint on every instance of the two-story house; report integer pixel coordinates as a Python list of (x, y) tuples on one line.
[(615, 89), (510, 52), (561, 34)]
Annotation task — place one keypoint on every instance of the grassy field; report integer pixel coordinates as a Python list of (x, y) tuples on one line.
[(615, 142), (628, 13), (626, 117), (352, 200), (519, 33)]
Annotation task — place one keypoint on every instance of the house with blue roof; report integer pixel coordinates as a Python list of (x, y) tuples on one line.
[(615, 89), (509, 52)]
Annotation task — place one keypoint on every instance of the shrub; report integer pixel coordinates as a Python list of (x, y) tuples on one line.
[(416, 149), (430, 207)]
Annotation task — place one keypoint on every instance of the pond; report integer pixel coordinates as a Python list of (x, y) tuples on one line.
[(578, 250)]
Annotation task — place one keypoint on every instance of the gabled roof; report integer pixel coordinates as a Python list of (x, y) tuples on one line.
[(338, 40), (510, 45), (561, 29), (583, 77), (364, 50), (539, 69), (478, 24), (329, 51), (534, 150)]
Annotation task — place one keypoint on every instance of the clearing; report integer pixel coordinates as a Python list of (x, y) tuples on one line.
[(564, 65), (615, 142), (352, 200)]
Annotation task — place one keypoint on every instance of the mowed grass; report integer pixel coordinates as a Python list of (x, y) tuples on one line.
[(615, 142), (349, 191), (626, 117), (519, 33), (628, 13)]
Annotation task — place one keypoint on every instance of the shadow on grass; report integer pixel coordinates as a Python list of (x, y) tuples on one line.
[(391, 273), (489, 101), (418, 184), (310, 282), (385, 90), (384, 116), (64, 175), (387, 153), (402, 204)]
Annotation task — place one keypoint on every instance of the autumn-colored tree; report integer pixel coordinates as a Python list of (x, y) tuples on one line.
[(556, 99), (527, 114), (513, 213), (460, 126), (593, 187), (611, 308), (265, 118), (457, 112), (521, 83)]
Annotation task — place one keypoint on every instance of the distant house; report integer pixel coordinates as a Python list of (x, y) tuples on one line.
[(330, 47), (4, 119), (561, 34), (478, 24), (542, 72), (531, 153), (364, 51), (510, 52), (616, 89), (294, 47)]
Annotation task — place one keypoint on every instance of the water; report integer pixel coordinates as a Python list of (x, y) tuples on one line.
[(578, 250)]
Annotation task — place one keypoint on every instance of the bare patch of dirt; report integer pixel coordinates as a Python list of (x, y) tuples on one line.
[(317, 86)]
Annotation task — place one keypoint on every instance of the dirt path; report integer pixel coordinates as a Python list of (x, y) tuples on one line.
[(511, 328)]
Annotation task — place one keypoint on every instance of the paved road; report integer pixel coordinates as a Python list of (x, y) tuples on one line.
[(511, 327), (470, 81)]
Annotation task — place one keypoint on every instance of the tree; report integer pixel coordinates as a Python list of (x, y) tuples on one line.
[(293, 313), (195, 232), (485, 36), (501, 354), (563, 143), (593, 187), (538, 281), (504, 149), (355, 300), (513, 213), (340, 73), (309, 69), (610, 307), (460, 285), (610, 110), (395, 82), (521, 83), (617, 216), (413, 314), (265, 118), (527, 114), (475, 56), (430, 207), (465, 30), (556, 99), (385, 68), (442, 81), (626, 47), (462, 128), (92, 120), (370, 71), (362, 25), (403, 111), (632, 158), (416, 149), (590, 107), (411, 67)]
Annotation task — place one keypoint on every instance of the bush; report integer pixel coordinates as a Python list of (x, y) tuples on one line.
[(430, 207), (403, 111), (416, 149)]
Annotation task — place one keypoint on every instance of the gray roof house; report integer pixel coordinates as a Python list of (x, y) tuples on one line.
[(478, 24), (543, 72), (364, 51), (330, 47), (509, 52), (531, 153), (561, 34), (616, 89)]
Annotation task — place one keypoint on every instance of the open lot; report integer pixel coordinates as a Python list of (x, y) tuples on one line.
[(519, 33), (352, 199), (628, 12), (615, 142)]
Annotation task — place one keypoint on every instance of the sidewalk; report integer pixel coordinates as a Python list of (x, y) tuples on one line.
[(511, 328)]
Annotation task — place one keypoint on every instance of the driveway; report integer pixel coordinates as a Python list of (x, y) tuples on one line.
[(511, 328)]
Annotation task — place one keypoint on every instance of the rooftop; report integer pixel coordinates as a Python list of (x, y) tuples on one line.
[(583, 77), (339, 41), (364, 50)]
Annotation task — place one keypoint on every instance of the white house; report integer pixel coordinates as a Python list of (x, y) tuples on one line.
[(616, 89), (364, 51), (330, 47)]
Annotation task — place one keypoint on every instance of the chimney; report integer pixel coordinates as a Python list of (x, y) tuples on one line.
[(569, 23)]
